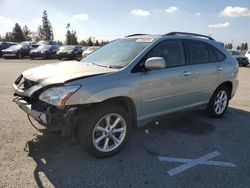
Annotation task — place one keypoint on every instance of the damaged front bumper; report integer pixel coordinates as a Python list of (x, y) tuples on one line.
[(51, 118), (42, 117)]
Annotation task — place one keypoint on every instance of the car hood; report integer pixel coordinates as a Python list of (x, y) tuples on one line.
[(61, 72)]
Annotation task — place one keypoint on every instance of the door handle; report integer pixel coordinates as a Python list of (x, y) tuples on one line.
[(187, 73), (219, 68)]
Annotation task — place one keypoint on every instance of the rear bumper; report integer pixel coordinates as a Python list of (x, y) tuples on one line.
[(243, 62), (235, 86)]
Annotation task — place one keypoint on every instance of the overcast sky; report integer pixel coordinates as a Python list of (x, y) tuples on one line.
[(225, 20)]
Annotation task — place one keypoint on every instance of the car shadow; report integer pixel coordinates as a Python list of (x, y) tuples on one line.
[(61, 163)]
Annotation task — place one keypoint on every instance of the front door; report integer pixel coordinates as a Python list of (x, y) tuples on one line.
[(166, 90)]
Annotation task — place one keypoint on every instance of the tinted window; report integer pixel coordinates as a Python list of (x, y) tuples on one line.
[(220, 56), (201, 52), (198, 52), (171, 51)]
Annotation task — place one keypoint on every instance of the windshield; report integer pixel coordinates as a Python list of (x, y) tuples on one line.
[(44, 47), (235, 53), (118, 53), (67, 48), (16, 47)]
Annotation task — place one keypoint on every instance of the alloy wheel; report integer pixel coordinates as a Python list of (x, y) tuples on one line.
[(109, 132), (220, 102)]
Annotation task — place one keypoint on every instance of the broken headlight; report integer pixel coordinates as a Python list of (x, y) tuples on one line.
[(58, 96)]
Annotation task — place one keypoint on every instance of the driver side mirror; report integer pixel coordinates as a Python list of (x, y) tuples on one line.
[(155, 63)]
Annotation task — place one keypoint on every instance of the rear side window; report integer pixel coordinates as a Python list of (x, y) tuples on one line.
[(171, 51), (219, 55), (201, 52)]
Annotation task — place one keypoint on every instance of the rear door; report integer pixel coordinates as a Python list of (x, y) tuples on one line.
[(207, 67)]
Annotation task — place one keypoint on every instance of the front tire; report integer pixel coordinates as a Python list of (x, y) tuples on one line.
[(20, 56), (219, 102), (105, 130)]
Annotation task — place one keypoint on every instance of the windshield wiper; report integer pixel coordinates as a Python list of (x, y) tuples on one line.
[(108, 66)]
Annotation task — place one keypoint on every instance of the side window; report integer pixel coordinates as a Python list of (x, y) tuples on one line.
[(219, 55), (212, 54), (201, 52), (171, 51), (198, 52)]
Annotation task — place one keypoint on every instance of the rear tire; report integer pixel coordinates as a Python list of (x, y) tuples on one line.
[(105, 130), (218, 103)]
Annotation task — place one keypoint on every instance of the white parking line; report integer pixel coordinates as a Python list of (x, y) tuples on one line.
[(189, 163)]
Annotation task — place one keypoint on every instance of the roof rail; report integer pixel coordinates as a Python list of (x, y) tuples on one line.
[(138, 34), (191, 34)]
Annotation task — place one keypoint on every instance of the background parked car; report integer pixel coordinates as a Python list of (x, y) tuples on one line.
[(242, 60), (89, 50), (19, 51), (44, 42), (69, 52), (84, 48), (44, 51), (5, 45), (247, 54)]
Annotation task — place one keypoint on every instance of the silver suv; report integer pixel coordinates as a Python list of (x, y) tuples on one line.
[(128, 83)]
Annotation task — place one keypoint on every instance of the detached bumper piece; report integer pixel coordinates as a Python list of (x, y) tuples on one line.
[(51, 118), (42, 117)]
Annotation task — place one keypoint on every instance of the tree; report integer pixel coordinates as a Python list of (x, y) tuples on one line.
[(9, 37), (83, 43), (104, 43), (26, 33), (89, 42), (45, 30), (229, 46), (238, 48), (18, 33), (97, 43), (246, 46), (71, 38)]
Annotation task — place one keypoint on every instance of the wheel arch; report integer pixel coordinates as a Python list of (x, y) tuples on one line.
[(127, 104), (228, 85)]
